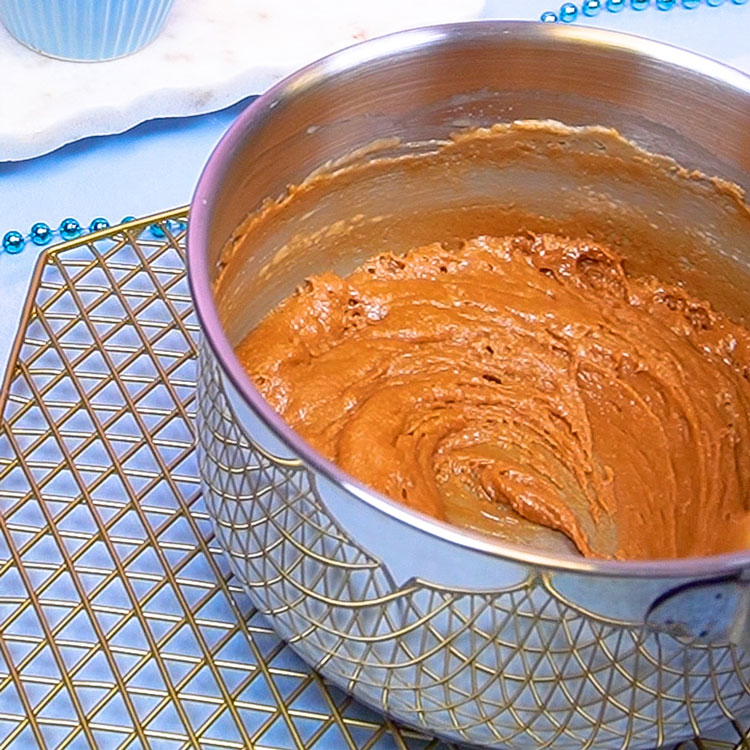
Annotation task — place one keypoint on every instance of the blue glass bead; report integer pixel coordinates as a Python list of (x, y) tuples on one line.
[(126, 219), (156, 231), (98, 224), (41, 233), (69, 229), (714, 3), (615, 6), (175, 225), (639, 4), (548, 17), (690, 4), (591, 7), (13, 242), (665, 4), (739, 2), (568, 12)]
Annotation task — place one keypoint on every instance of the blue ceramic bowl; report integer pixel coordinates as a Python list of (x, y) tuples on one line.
[(86, 30)]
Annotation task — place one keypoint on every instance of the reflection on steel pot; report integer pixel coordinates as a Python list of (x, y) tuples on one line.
[(451, 632)]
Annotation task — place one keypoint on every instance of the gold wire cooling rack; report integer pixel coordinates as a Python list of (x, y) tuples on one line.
[(120, 626), (119, 623)]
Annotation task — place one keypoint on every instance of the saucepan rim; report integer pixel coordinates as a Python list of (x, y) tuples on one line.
[(199, 277)]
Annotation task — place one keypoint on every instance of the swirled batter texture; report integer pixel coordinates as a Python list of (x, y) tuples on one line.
[(527, 387)]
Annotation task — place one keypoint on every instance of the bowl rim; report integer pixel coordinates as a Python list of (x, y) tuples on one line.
[(201, 291)]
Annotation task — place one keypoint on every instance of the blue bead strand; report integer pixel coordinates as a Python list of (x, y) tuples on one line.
[(42, 234), (569, 11)]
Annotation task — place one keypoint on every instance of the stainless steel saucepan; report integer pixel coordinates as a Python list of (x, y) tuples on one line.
[(455, 633)]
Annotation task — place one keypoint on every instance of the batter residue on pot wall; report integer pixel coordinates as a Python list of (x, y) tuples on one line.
[(525, 386)]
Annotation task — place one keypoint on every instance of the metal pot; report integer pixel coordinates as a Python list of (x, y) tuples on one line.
[(451, 632)]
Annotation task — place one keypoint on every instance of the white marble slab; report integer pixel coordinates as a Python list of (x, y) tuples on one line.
[(210, 54)]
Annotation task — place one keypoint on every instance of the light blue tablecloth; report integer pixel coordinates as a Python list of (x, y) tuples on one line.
[(155, 165)]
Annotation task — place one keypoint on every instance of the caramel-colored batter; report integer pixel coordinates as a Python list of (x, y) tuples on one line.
[(524, 386)]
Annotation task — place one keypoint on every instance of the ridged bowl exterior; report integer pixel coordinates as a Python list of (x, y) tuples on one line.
[(85, 30)]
